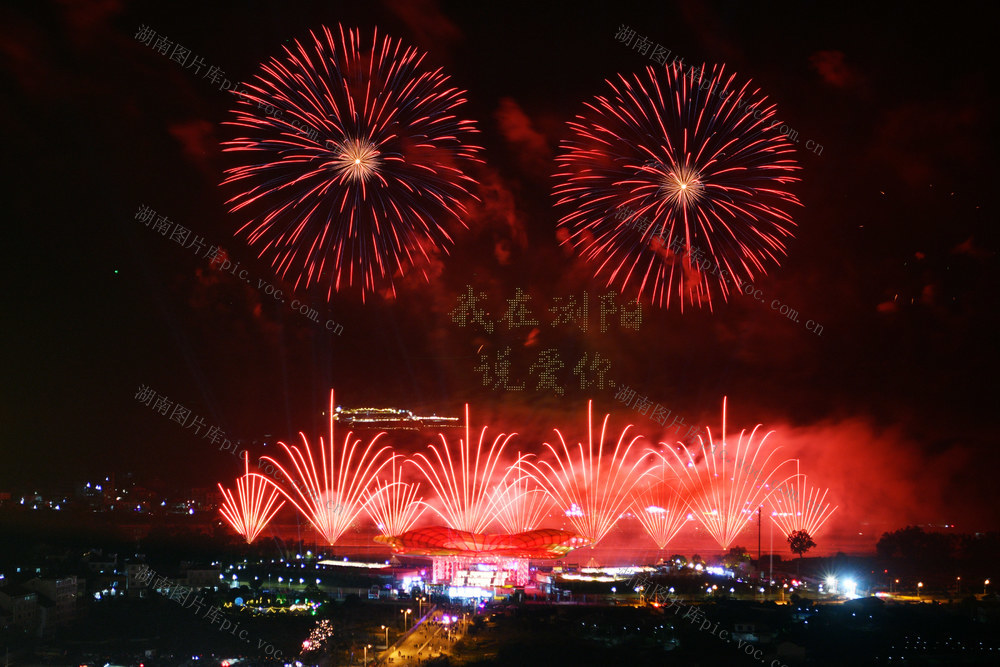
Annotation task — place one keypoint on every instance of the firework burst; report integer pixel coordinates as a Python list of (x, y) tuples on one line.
[(660, 509), (797, 506), (671, 164), (725, 492), (520, 503), (352, 161), (331, 496), (253, 506), (593, 490), (463, 480), (393, 505)]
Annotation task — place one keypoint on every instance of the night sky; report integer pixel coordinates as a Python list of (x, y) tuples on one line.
[(894, 254)]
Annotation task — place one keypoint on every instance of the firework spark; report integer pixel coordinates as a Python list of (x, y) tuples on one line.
[(253, 506), (660, 509), (331, 496), (393, 505), (726, 492), (520, 503), (463, 480), (674, 160), (592, 490), (797, 506), (365, 192)]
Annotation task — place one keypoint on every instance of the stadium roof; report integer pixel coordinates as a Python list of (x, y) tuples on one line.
[(444, 541)]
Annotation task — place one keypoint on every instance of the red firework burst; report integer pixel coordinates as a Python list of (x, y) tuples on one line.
[(462, 479), (520, 502), (354, 159), (393, 504), (332, 495), (725, 488), (660, 508), (593, 490), (253, 506), (670, 165), (797, 506)]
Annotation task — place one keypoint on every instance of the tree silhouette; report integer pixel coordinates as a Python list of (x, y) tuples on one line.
[(800, 542), (735, 557)]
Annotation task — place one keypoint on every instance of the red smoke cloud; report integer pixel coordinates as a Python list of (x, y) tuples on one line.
[(431, 29), (833, 67), (197, 140), (531, 146)]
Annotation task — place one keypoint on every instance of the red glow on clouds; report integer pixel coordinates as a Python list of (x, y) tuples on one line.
[(531, 146), (833, 67)]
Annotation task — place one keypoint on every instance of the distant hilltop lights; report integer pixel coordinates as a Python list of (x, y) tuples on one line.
[(391, 419)]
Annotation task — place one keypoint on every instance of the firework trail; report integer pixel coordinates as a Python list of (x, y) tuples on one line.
[(253, 507), (393, 505), (462, 480), (332, 495), (367, 189), (724, 493), (660, 509), (520, 503), (685, 152), (797, 506), (593, 490)]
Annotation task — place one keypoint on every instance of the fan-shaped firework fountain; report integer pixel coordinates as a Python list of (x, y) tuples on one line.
[(660, 508), (253, 506), (520, 502), (593, 490), (331, 495), (394, 505), (464, 479), (797, 506), (353, 159), (674, 160), (726, 492)]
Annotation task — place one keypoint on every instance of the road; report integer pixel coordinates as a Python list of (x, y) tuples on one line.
[(430, 640)]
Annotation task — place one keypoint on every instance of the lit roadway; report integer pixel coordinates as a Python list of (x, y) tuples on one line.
[(431, 639)]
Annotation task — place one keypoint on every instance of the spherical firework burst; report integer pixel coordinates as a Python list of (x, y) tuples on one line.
[(463, 479), (253, 506), (725, 488), (671, 165), (353, 160), (592, 489), (331, 495)]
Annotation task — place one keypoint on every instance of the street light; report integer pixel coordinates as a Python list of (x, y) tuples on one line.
[(920, 585), (420, 602), (405, 613), (368, 646), (985, 584), (386, 628)]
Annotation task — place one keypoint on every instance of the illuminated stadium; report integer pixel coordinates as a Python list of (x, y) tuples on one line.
[(482, 561)]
